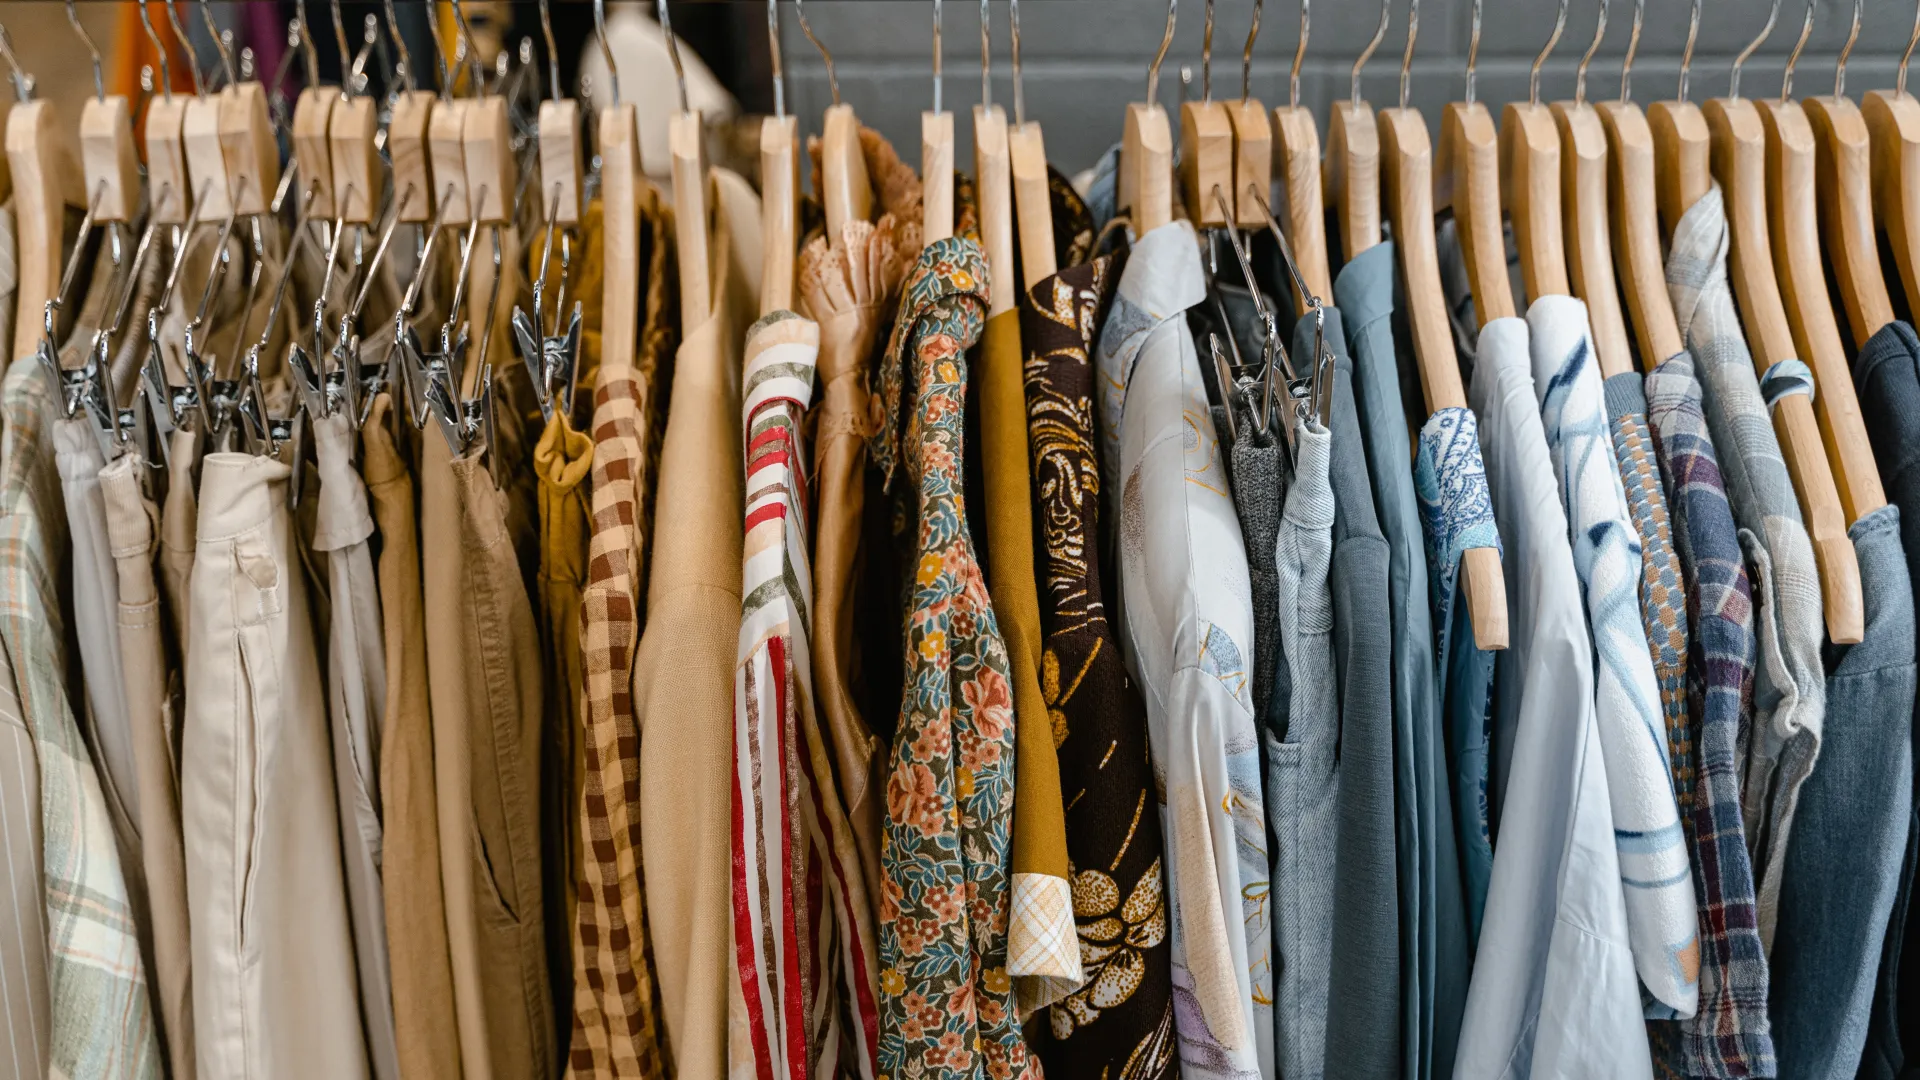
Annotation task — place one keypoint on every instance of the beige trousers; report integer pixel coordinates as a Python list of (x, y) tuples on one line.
[(275, 996), (131, 521)]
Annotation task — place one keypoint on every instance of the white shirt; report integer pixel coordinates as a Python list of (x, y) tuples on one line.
[(1554, 993)]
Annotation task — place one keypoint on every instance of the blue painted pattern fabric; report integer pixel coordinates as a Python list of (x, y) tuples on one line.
[(1606, 553), (1456, 515), (946, 1000), (1729, 1035)]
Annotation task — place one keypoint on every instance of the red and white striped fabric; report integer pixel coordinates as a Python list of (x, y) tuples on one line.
[(804, 1004)]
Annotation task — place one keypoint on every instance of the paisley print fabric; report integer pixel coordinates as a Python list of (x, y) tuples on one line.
[(946, 1000), (1119, 1024)]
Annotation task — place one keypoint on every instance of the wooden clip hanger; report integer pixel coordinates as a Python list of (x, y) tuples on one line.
[(1739, 162), (108, 161), (46, 180), (1583, 191), (1530, 180), (1352, 170), (1799, 259), (846, 191), (1409, 191), (1206, 145), (169, 192), (312, 123), (1252, 139), (1636, 224), (249, 151), (1032, 195), (1146, 150), (779, 186), (1469, 180), (1298, 142)]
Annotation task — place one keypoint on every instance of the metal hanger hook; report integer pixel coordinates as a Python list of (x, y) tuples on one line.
[(1900, 77), (1533, 77), (474, 70), (1586, 58), (1246, 56), (553, 51), (219, 44), (1686, 54), (166, 72), (773, 47), (406, 54), (99, 80), (339, 37), (1299, 54), (833, 81), (1166, 41), (778, 106), (606, 53), (1019, 90), (1366, 54), (1793, 58), (1473, 52), (1740, 61), (193, 58), (1840, 66), (302, 42), (1406, 58), (22, 82), (986, 56), (673, 51), (1206, 56), (1633, 48)]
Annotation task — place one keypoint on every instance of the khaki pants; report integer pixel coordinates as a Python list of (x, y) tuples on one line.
[(131, 521), (274, 991), (484, 676), (425, 1030), (356, 696)]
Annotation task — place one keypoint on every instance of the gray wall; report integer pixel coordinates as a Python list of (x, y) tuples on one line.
[(1083, 60)]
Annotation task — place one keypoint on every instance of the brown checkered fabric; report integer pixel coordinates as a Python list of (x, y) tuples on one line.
[(616, 1014)]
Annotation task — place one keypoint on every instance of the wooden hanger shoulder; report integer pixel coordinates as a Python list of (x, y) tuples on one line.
[(312, 151), (1530, 180), (1409, 184), (408, 146), (848, 193), (1583, 193), (107, 158), (1252, 159), (1793, 194), (561, 160), (993, 186), (447, 153), (620, 239), (779, 210), (1681, 154), (206, 165), (1032, 203), (1146, 167), (1893, 132), (1353, 175), (936, 176), (1206, 161), (46, 180), (170, 192), (358, 179), (1470, 176), (686, 140), (1305, 216), (1740, 165), (1844, 154), (1636, 231), (247, 143), (492, 176)]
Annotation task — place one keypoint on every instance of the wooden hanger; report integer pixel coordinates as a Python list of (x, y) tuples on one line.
[(686, 140), (1252, 142), (1206, 146), (1298, 140), (619, 225), (1636, 224), (1469, 181), (936, 156), (108, 161), (1681, 145), (993, 186), (779, 187), (1583, 189), (46, 180), (1798, 260), (1530, 179), (1409, 183), (846, 192), (1032, 197), (1893, 130), (1845, 174), (1352, 171), (1144, 186), (1739, 162), (312, 145)]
